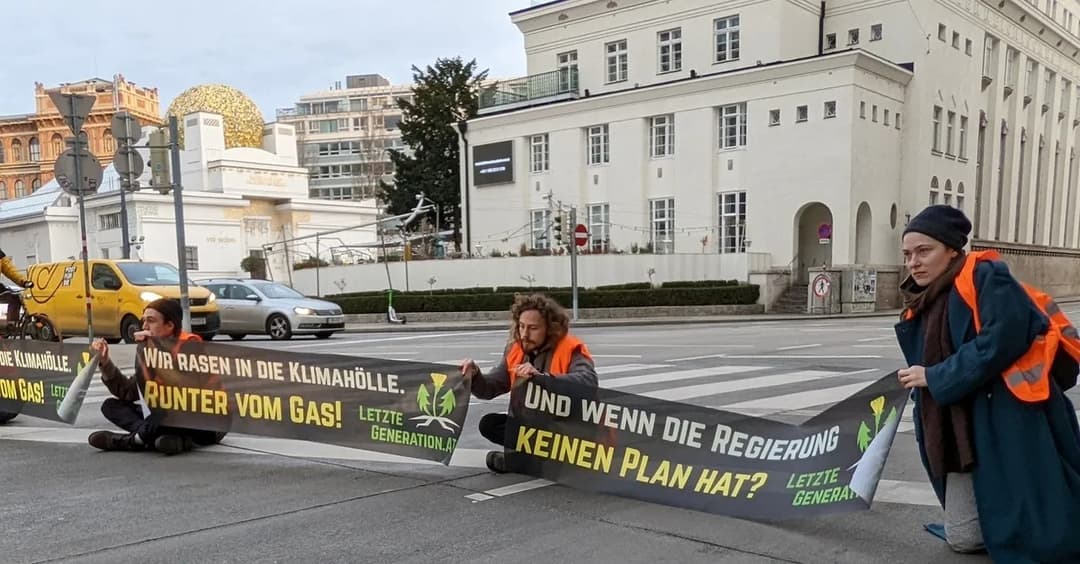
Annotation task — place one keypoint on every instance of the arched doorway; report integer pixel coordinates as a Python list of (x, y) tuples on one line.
[(811, 222), (862, 234)]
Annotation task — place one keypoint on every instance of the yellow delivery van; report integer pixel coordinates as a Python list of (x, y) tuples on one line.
[(119, 291)]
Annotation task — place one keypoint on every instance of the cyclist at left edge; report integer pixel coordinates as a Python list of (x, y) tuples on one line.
[(7, 268)]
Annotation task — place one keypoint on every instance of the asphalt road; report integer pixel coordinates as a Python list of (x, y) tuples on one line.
[(268, 500)]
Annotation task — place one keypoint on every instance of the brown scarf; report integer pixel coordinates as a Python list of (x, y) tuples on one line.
[(947, 436)]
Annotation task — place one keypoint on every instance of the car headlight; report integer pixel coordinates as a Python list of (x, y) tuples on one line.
[(150, 296), (303, 311), (212, 298)]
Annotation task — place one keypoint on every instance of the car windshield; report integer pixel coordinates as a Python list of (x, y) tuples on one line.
[(150, 273), (272, 290)]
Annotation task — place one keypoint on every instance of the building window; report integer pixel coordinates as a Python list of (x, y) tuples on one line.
[(16, 151), (662, 231), (873, 114), (988, 57), (617, 61), (774, 117), (830, 109), (109, 141), (599, 228), (670, 46), (539, 153), (662, 136), (862, 110), (109, 221), (3, 190), (963, 136), (57, 144), (949, 128), (802, 113), (34, 185), (941, 32), (960, 196), (726, 32), (35, 150), (191, 258), (1, 152), (853, 37), (830, 41), (1011, 58), (568, 71), (967, 47), (598, 145), (937, 129), (733, 222), (948, 193), (541, 222), (885, 118), (733, 126), (875, 32), (933, 191), (1029, 80), (20, 190), (897, 120), (956, 40)]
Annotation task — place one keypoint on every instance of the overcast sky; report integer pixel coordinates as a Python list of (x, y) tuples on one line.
[(273, 50)]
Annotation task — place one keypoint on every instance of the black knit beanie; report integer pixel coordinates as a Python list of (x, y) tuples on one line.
[(944, 223)]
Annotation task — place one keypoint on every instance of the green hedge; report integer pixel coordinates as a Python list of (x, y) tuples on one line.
[(498, 301), (528, 289)]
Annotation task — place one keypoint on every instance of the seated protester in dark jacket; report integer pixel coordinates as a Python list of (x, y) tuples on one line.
[(540, 347), (162, 319)]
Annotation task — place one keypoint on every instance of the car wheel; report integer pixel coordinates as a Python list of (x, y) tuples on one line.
[(324, 335), (278, 327), (207, 336), (113, 340), (237, 336), (6, 416), (128, 327)]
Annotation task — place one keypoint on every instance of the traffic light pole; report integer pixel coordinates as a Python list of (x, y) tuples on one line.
[(178, 206), (573, 263)]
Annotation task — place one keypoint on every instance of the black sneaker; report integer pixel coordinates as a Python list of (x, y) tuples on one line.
[(496, 462), (108, 440), (172, 444)]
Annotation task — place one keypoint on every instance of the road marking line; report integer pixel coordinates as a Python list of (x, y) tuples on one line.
[(673, 376), (616, 356), (798, 400), (728, 386), (907, 493), (804, 356), (793, 347), (386, 339), (869, 339), (620, 368), (889, 346), (702, 357), (509, 490)]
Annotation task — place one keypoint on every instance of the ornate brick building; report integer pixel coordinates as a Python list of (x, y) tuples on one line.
[(30, 143)]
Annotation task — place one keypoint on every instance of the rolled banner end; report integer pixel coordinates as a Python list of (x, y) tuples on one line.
[(69, 407)]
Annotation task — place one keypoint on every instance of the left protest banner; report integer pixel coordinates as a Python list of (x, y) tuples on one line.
[(407, 409), (35, 377)]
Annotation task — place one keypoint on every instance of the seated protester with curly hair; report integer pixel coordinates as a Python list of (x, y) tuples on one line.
[(540, 347), (162, 319)]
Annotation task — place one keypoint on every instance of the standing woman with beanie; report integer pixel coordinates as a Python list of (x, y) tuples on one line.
[(1006, 471)]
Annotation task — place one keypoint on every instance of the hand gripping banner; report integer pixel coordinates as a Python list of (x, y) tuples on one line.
[(706, 459)]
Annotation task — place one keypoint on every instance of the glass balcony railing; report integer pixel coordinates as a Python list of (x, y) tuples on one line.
[(559, 84)]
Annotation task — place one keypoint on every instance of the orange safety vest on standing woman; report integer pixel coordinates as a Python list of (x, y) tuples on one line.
[(1029, 377), (560, 357)]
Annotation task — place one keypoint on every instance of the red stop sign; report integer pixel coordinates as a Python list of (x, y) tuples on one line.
[(581, 235)]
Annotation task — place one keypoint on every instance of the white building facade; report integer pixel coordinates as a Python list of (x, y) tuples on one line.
[(237, 202), (344, 136), (774, 135)]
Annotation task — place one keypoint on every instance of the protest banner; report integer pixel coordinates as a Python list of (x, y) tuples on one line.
[(705, 459), (403, 408), (35, 377)]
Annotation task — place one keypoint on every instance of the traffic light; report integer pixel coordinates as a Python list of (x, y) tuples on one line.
[(160, 178), (128, 163), (557, 229)]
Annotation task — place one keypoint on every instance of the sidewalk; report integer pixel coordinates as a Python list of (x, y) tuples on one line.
[(420, 327)]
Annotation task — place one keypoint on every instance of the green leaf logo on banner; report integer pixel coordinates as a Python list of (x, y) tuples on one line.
[(877, 407), (431, 403)]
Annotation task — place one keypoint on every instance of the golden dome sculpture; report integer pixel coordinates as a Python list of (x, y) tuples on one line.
[(243, 120)]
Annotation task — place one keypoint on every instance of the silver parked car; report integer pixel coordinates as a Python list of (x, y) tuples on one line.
[(261, 307)]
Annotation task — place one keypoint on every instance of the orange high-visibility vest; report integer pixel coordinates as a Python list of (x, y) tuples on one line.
[(1029, 377), (560, 357)]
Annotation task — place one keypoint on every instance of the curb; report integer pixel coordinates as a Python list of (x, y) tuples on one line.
[(423, 327)]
